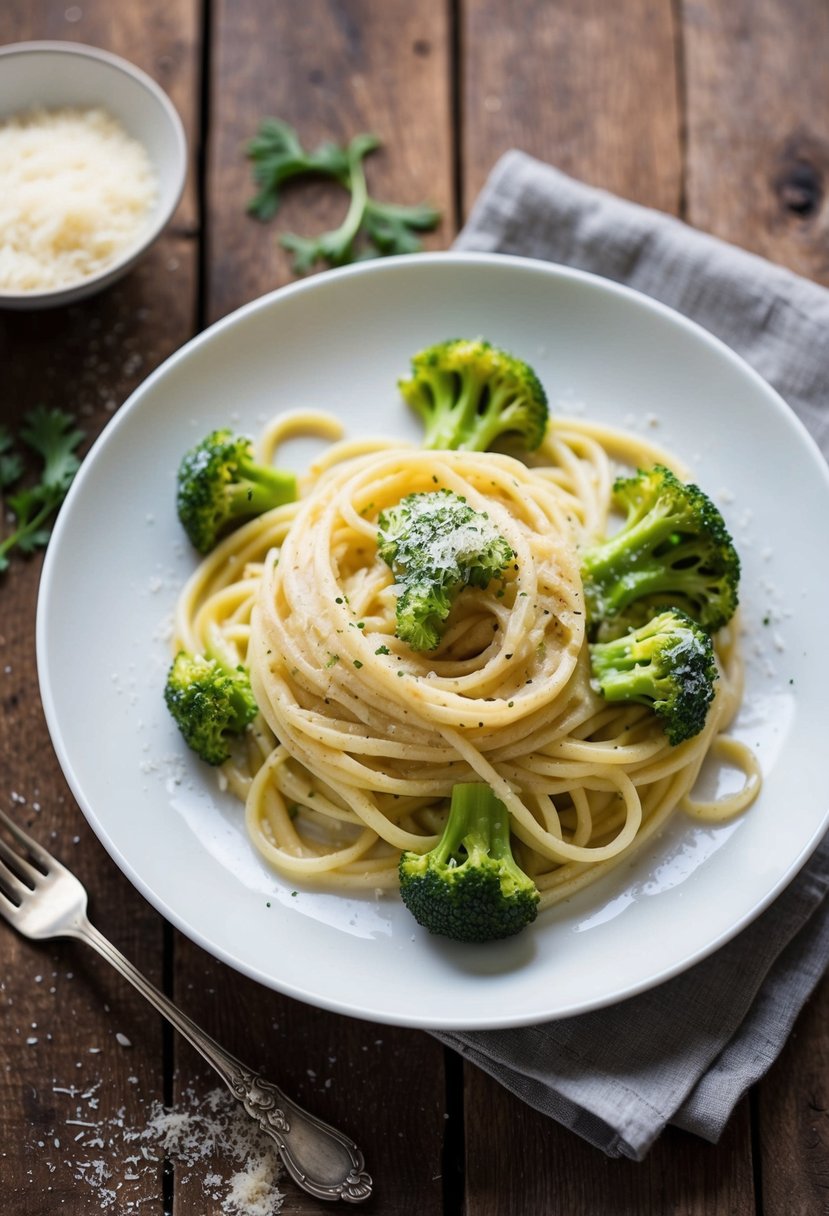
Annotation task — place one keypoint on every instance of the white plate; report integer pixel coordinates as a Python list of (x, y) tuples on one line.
[(340, 341)]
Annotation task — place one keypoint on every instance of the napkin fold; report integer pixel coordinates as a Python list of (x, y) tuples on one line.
[(685, 1052)]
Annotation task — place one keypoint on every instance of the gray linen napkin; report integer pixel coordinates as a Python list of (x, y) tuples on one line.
[(685, 1052)]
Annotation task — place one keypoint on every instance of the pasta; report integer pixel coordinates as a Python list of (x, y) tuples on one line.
[(360, 739)]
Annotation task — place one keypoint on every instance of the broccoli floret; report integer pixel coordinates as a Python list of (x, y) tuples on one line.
[(469, 887), (435, 545), (673, 550), (209, 701), (220, 484), (667, 664), (469, 394)]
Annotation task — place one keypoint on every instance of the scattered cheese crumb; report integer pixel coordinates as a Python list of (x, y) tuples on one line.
[(216, 1150), (252, 1192)]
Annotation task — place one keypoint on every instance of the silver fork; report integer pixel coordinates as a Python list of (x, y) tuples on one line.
[(42, 899)]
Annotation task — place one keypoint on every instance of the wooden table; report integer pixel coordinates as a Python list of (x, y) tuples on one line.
[(714, 110)]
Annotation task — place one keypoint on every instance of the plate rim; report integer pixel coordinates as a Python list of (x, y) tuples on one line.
[(132, 403)]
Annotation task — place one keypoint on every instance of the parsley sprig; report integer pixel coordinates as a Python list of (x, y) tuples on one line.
[(51, 434), (370, 228)]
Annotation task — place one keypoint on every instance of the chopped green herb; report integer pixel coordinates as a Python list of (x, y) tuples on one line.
[(369, 229), (52, 435)]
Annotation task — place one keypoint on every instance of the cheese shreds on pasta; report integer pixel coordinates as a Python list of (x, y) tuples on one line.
[(77, 192), (360, 739)]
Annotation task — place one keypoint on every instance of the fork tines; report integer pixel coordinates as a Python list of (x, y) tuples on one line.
[(19, 874)]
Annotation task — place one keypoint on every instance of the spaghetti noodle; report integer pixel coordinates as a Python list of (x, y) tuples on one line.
[(360, 739)]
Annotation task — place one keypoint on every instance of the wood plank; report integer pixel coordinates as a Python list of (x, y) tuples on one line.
[(60, 1061), (382, 1085), (585, 88), (758, 127), (537, 1166), (331, 70), (793, 1118), (69, 1088), (571, 83), (758, 159)]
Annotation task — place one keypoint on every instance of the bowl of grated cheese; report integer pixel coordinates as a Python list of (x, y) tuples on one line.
[(93, 160)]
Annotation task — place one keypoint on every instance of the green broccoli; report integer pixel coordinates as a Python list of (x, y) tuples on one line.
[(469, 887), (667, 664), (469, 394), (209, 700), (673, 550), (220, 484), (435, 545)]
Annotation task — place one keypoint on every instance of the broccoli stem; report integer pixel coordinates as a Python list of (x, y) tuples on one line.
[(262, 488), (490, 423), (627, 684), (636, 540), (477, 416), (459, 418), (633, 558), (477, 820)]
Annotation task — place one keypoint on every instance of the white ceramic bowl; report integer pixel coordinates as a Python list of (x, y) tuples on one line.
[(58, 74)]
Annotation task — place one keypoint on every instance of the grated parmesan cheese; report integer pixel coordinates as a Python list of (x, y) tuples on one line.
[(77, 193), (219, 1156)]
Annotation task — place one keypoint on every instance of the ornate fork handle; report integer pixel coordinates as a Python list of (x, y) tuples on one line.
[(322, 1160)]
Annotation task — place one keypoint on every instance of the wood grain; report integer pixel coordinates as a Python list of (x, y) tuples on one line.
[(331, 70), (793, 1118), (588, 86), (757, 96), (597, 74), (383, 1086), (68, 1087), (757, 101), (539, 1167), (713, 110)]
